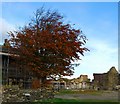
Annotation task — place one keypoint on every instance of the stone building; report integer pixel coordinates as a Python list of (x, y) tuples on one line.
[(11, 74), (58, 84), (81, 82), (14, 75), (106, 81)]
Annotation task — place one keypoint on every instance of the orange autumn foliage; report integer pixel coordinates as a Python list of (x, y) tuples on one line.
[(35, 84), (47, 46)]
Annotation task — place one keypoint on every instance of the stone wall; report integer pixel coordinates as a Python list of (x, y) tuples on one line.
[(14, 94), (81, 82), (106, 81)]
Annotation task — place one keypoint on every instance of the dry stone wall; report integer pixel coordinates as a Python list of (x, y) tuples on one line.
[(14, 94)]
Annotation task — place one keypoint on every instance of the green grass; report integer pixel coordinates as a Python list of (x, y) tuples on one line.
[(92, 92), (75, 101)]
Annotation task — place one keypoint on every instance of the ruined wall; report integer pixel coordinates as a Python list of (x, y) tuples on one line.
[(106, 81), (113, 78)]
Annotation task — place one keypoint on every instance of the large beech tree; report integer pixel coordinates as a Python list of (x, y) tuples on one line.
[(47, 46)]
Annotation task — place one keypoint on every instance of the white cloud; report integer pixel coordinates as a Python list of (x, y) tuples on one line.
[(100, 59), (4, 28)]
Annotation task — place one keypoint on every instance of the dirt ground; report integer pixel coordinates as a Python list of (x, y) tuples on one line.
[(106, 95)]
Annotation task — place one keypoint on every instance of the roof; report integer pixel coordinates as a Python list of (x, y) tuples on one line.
[(83, 75), (99, 73), (112, 70)]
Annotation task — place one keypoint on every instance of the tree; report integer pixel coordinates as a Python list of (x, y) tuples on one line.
[(47, 46)]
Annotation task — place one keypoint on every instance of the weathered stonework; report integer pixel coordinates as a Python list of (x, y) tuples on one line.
[(106, 81), (81, 82), (15, 94)]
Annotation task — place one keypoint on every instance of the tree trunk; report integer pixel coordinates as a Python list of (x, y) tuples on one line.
[(43, 82)]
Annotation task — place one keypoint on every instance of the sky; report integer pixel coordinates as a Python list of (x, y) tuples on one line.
[(97, 20), (59, 0)]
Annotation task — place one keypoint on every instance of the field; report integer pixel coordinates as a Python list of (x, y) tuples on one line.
[(80, 97), (89, 95), (83, 97), (75, 101)]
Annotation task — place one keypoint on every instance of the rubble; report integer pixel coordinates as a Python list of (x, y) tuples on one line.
[(14, 94)]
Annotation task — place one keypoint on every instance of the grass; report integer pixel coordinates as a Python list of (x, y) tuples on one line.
[(92, 92), (74, 101)]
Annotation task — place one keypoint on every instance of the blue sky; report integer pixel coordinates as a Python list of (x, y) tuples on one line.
[(98, 21)]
